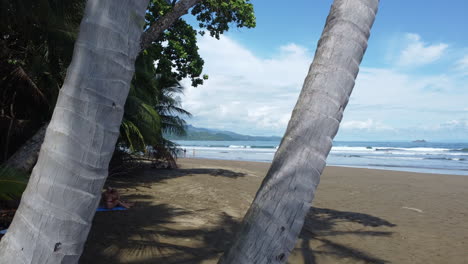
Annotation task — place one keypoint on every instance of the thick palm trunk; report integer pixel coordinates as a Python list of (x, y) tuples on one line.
[(275, 218), (54, 218), (25, 157)]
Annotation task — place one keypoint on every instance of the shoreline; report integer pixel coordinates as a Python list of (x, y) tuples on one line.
[(190, 215), (383, 168), (427, 157)]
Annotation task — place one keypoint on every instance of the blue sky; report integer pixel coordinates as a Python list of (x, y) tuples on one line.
[(412, 83)]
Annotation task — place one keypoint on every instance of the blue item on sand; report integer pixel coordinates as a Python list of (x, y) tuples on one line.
[(2, 232), (117, 208)]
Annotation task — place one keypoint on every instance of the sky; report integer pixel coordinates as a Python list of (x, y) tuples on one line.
[(412, 84)]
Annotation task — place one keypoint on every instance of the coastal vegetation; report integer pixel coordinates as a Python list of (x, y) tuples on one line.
[(92, 100), (58, 205), (195, 133), (12, 183), (152, 108), (36, 47)]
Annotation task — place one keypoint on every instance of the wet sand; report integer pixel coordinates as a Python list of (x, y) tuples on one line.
[(189, 215)]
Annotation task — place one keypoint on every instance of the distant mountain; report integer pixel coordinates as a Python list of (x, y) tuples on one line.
[(196, 133)]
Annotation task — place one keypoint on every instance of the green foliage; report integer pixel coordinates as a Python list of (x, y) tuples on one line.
[(177, 50), (194, 133), (12, 183), (36, 46), (216, 15), (152, 108), (39, 36)]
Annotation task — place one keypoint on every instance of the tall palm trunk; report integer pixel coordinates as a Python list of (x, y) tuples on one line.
[(25, 157), (276, 216), (54, 218)]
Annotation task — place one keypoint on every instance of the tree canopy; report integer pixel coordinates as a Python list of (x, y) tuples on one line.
[(37, 46)]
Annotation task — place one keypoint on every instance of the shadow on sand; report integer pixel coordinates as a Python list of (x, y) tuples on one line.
[(151, 234), (161, 233), (321, 223), (146, 177)]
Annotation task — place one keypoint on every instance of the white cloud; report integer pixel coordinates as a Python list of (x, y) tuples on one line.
[(394, 87), (410, 104), (455, 124), (418, 53), (244, 92), (368, 124), (249, 94), (462, 65)]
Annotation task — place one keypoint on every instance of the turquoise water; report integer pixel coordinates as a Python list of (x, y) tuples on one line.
[(428, 157)]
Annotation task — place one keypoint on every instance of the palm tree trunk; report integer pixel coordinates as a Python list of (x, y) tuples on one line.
[(25, 157), (56, 210), (273, 222)]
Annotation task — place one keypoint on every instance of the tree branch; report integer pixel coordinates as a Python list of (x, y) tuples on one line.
[(180, 8), (25, 157)]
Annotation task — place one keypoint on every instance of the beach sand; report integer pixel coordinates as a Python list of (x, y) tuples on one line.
[(189, 215)]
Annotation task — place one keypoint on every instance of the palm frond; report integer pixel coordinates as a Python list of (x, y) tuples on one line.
[(132, 135), (18, 74), (173, 125), (12, 183)]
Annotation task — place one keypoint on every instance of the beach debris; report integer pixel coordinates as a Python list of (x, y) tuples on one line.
[(413, 209), (104, 209)]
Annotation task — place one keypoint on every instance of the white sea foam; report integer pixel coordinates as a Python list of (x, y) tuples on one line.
[(448, 158), (228, 149), (399, 158), (395, 151), (238, 146)]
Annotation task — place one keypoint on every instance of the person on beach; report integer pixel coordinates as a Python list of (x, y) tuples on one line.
[(111, 199)]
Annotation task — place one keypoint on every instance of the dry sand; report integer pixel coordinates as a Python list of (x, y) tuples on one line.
[(189, 215)]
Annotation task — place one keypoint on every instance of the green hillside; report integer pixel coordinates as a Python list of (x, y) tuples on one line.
[(195, 133)]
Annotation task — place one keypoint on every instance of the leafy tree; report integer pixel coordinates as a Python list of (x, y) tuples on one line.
[(36, 45), (171, 42), (152, 107), (56, 210)]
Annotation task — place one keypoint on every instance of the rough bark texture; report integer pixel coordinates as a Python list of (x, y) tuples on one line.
[(274, 220), (56, 210), (26, 157), (180, 8)]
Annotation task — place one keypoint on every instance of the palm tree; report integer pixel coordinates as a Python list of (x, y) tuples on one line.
[(152, 106), (36, 46), (56, 210), (163, 16), (274, 220), (152, 109), (55, 214)]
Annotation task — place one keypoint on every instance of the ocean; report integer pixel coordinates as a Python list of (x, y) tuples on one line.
[(426, 157)]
